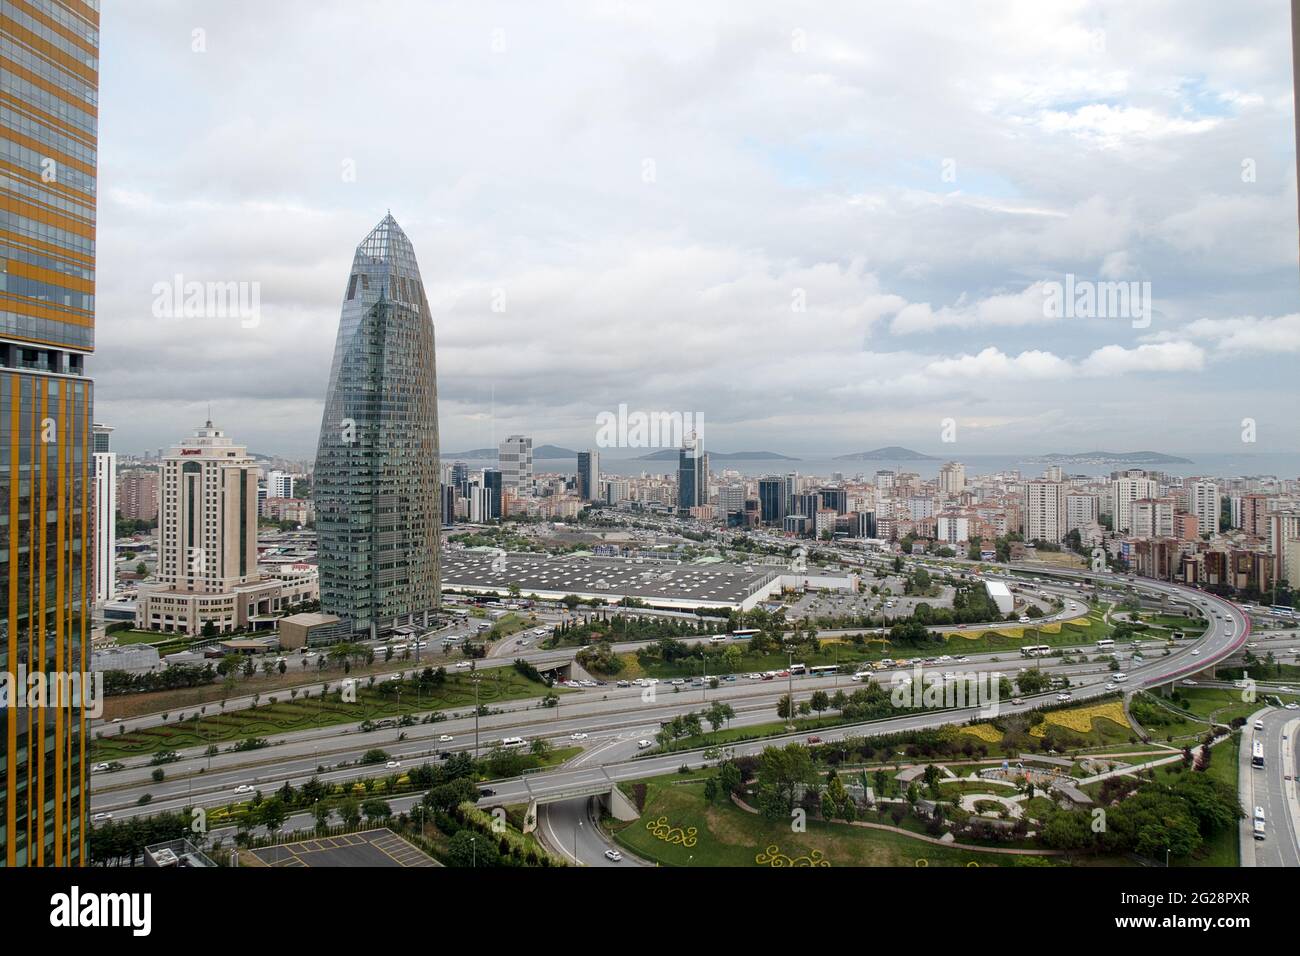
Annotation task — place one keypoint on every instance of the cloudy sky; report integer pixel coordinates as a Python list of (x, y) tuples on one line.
[(822, 226)]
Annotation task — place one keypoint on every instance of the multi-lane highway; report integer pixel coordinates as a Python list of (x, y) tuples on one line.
[(612, 720), (1271, 789)]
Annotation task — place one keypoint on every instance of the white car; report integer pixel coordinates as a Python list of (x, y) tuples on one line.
[(579, 735), (643, 744), (445, 739), (1064, 697), (243, 788), (1024, 620), (613, 856), (462, 664), (99, 768), (1293, 706), (1259, 725), (393, 764), (99, 817), (1195, 651), (1111, 686)]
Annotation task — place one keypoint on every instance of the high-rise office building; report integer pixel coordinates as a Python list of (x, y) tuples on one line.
[(836, 498), (731, 498), (50, 81), (516, 458), (376, 483), (692, 474), (459, 477), (772, 500), (105, 515), (588, 475), (492, 481)]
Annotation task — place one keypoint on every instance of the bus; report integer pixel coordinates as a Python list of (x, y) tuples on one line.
[(745, 632), (822, 670), (1105, 643), (1036, 650), (1281, 610), (1257, 754), (798, 669)]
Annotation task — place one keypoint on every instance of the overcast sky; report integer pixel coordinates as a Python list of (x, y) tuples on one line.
[(822, 226)]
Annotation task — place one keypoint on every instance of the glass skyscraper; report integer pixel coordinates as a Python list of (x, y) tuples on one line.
[(692, 474), (377, 477), (49, 77)]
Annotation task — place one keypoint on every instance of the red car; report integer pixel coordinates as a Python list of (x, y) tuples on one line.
[(814, 740)]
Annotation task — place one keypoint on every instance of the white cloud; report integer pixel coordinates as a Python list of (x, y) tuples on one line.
[(776, 170)]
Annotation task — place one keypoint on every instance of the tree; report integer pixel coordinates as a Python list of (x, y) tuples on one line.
[(784, 775), (273, 813), (350, 811), (820, 701), (718, 714), (448, 796), (376, 809), (785, 707), (468, 848)]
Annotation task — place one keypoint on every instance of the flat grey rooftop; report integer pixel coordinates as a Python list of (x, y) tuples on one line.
[(613, 578)]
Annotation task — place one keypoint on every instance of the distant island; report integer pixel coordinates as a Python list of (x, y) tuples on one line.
[(890, 453), (1111, 458), (542, 452), (671, 454)]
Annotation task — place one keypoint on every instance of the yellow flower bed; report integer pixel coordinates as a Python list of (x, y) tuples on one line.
[(985, 732), (1080, 719)]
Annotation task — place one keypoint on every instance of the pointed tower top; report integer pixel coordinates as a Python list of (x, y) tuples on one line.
[(386, 242)]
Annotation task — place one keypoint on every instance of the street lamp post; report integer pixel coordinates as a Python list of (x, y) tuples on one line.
[(474, 681), (789, 683)]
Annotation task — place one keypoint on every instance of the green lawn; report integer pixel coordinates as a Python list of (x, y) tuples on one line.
[(728, 836), (288, 715)]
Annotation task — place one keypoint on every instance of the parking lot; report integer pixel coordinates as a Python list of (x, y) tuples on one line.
[(844, 604), (368, 848)]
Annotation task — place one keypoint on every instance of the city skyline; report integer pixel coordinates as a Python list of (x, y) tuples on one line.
[(754, 175)]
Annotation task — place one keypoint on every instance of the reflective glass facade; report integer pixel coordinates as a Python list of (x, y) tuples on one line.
[(378, 506), (49, 82)]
